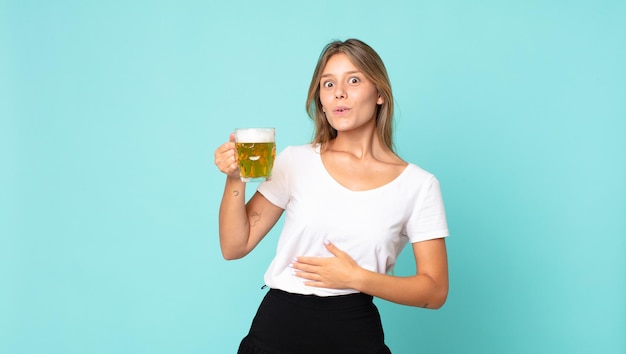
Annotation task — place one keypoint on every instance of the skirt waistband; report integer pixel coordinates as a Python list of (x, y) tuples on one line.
[(324, 302)]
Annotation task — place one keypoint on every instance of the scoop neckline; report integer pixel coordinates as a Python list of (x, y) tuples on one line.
[(316, 148)]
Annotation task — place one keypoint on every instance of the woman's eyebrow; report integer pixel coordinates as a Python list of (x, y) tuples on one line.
[(346, 73)]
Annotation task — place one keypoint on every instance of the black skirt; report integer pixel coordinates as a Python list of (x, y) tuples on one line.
[(307, 324)]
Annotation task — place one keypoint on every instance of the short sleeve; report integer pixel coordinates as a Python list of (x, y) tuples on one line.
[(276, 190), (428, 219)]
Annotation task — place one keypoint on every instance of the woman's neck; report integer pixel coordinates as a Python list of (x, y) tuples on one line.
[(362, 145)]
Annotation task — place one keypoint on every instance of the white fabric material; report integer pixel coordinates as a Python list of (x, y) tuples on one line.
[(372, 226)]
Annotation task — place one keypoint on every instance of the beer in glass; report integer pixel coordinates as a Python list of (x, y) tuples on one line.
[(256, 150)]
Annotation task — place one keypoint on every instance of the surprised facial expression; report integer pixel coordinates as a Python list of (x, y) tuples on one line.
[(348, 97)]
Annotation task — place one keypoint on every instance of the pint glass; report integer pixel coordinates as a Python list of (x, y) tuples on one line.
[(256, 150)]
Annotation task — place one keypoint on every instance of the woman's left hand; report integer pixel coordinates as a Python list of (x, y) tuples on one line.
[(336, 272)]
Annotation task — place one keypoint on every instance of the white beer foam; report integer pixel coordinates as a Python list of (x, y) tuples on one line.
[(254, 135)]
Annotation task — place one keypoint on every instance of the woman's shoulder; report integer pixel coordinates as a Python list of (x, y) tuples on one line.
[(418, 173)]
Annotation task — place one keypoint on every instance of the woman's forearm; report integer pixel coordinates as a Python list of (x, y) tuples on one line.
[(428, 288), (419, 290), (234, 227)]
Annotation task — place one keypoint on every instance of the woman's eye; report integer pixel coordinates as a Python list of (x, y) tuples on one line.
[(327, 84), (354, 80)]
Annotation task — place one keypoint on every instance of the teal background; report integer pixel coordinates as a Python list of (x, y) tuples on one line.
[(110, 113)]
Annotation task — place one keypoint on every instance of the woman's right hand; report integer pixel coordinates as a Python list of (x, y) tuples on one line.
[(226, 158)]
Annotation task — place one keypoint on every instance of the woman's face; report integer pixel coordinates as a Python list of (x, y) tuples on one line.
[(348, 97)]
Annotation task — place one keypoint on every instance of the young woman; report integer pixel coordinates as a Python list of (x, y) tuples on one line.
[(351, 205)]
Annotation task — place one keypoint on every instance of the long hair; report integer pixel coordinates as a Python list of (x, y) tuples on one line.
[(372, 66)]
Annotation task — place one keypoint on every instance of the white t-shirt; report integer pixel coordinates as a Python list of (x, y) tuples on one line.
[(372, 226)]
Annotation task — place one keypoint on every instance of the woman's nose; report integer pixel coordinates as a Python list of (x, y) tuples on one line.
[(340, 92)]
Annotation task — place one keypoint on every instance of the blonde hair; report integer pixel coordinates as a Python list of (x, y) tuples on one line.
[(370, 63)]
